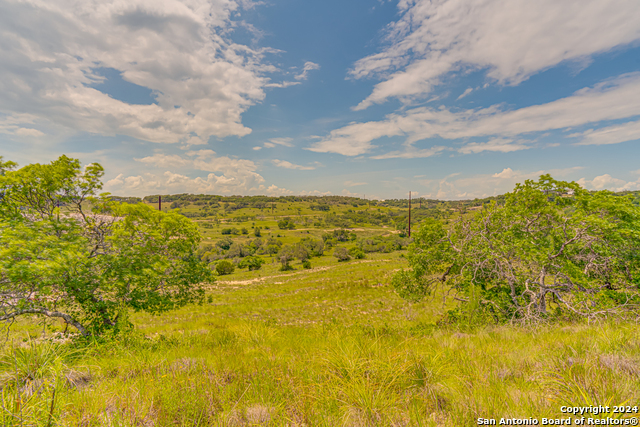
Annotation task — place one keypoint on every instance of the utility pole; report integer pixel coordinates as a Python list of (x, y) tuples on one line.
[(409, 233), (160, 203)]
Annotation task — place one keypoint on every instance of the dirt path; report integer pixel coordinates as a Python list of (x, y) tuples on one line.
[(297, 273)]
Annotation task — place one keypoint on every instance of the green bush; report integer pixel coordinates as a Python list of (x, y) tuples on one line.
[(357, 253), (341, 254), (252, 263), (286, 224), (225, 267)]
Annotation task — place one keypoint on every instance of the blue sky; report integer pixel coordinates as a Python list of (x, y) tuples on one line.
[(448, 99)]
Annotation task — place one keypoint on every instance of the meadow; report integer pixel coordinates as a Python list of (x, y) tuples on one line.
[(330, 345)]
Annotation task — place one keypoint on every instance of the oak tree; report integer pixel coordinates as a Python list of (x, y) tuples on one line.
[(552, 249), (65, 253)]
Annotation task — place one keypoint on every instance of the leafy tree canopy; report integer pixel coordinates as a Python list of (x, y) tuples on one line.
[(553, 249), (67, 254)]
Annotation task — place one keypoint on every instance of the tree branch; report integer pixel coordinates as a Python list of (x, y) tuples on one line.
[(67, 318)]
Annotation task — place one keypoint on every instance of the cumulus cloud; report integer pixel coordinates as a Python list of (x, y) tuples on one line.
[(202, 82), (348, 193), (510, 39), (617, 98), (288, 165), (227, 175), (607, 182), (455, 186), (506, 173)]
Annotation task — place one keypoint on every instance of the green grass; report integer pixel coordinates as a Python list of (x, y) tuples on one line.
[(330, 346)]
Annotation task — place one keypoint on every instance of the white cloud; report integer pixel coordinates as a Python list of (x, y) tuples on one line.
[(412, 153), (348, 193), (273, 191), (164, 160), (610, 135), (607, 182), (282, 84), (308, 66), (355, 139), (202, 82), (288, 165), (510, 39), (282, 141), (229, 175), (501, 145), (171, 182), (273, 142), (465, 93), (613, 99), (454, 186), (506, 173), (353, 184), (28, 132)]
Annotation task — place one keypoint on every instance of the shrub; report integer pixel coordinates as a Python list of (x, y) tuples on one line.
[(252, 263), (341, 254), (285, 256), (225, 267), (357, 253), (286, 224), (224, 243)]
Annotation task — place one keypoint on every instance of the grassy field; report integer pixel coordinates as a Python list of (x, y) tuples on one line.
[(327, 346)]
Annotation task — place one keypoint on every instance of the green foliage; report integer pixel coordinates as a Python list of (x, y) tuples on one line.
[(553, 250), (286, 224), (314, 247), (341, 254), (285, 256), (306, 264), (224, 267), (31, 379), (323, 207), (382, 244), (357, 253), (224, 243), (228, 231), (251, 262), (89, 267)]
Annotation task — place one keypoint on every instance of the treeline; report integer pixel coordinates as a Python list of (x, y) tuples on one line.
[(419, 203), (259, 202)]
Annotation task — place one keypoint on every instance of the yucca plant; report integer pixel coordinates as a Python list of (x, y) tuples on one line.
[(30, 379)]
